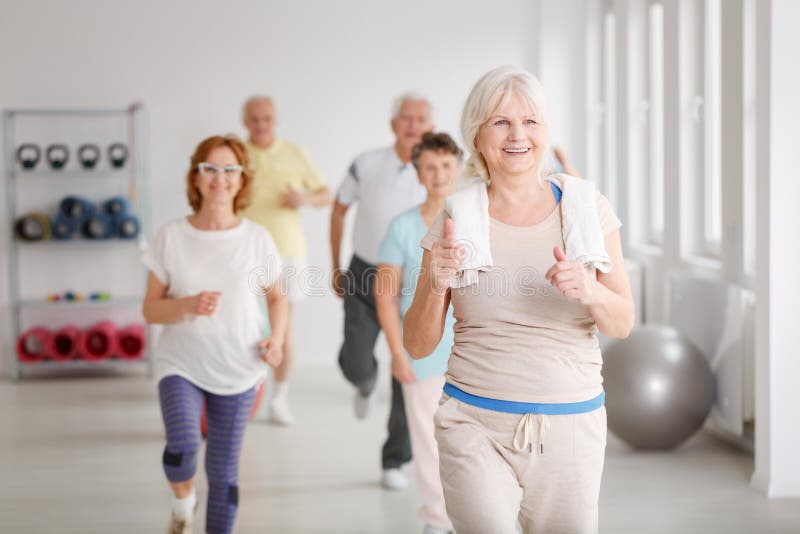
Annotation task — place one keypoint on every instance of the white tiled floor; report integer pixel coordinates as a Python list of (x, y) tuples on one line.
[(83, 456)]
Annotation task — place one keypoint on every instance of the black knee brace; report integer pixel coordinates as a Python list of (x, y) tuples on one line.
[(172, 459)]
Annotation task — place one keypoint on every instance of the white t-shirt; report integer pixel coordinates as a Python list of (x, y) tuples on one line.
[(383, 187), (218, 352)]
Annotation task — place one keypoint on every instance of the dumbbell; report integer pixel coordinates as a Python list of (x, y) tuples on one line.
[(28, 155), (57, 156), (117, 155), (89, 155)]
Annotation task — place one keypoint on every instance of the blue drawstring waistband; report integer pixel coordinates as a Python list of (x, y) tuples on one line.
[(496, 405)]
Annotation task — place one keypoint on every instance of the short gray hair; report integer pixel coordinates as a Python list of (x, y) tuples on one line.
[(253, 99), (490, 92), (410, 96)]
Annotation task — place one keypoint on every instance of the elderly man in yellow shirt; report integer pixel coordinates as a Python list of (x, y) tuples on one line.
[(285, 179)]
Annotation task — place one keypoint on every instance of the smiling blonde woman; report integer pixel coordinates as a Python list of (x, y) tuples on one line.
[(521, 427)]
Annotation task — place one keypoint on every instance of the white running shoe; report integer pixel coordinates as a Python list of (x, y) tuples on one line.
[(279, 412), (394, 479), (362, 405), (181, 525)]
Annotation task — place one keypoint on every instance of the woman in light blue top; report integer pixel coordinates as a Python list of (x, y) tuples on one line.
[(438, 162)]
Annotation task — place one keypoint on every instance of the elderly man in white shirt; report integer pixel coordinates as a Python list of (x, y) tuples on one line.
[(384, 183)]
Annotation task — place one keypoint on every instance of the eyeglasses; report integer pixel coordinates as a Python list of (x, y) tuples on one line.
[(210, 171)]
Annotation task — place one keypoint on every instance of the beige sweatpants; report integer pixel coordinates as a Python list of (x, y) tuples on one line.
[(499, 468), (421, 400)]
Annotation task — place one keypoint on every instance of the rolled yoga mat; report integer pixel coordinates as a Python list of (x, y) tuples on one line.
[(116, 207), (62, 227), (77, 209), (63, 344), (33, 226), (32, 344), (131, 342), (99, 226), (126, 227), (98, 342)]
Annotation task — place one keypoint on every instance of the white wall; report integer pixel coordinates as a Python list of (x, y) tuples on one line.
[(333, 68), (777, 467), (562, 47)]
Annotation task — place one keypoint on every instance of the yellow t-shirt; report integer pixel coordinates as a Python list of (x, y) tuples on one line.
[(275, 169)]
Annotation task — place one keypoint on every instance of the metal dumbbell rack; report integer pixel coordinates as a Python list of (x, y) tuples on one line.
[(133, 174)]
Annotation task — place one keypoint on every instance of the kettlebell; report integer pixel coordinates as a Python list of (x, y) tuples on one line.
[(117, 154), (57, 156), (28, 155), (89, 155)]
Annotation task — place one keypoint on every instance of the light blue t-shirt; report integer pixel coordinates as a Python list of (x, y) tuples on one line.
[(400, 246)]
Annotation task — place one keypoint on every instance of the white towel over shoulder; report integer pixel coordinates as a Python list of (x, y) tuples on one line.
[(469, 209), (580, 222), (580, 227)]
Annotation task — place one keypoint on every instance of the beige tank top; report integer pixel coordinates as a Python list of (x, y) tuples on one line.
[(516, 337)]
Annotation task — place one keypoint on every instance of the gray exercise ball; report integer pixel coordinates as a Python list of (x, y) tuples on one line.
[(659, 387)]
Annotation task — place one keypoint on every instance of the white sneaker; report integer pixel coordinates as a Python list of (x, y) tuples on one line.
[(279, 412), (182, 525), (362, 405), (433, 530), (394, 479)]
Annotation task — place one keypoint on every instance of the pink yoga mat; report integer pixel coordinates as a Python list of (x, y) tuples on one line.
[(98, 342), (131, 342), (63, 343), (32, 344)]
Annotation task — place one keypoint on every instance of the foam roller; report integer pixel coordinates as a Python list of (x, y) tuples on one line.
[(98, 342), (32, 344), (63, 344), (131, 342)]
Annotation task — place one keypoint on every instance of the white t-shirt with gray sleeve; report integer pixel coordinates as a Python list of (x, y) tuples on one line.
[(384, 187)]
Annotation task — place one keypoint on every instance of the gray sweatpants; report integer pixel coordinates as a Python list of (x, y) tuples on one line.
[(357, 356), (499, 468)]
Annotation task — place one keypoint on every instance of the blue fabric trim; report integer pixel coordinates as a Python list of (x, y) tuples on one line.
[(556, 192), (496, 405)]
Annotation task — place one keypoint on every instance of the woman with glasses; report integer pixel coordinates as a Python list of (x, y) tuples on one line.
[(207, 273)]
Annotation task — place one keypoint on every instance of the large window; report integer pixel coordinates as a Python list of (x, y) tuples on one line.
[(750, 169), (655, 193), (712, 180), (609, 185)]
